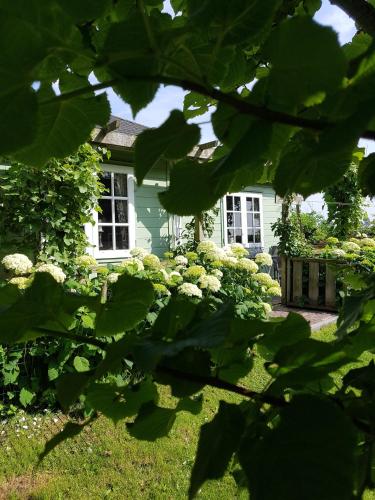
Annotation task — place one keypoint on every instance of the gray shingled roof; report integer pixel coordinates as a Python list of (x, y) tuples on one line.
[(127, 127)]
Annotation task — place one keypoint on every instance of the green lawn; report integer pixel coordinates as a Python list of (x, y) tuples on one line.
[(105, 462)]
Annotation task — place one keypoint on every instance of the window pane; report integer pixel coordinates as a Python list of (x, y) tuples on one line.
[(106, 180), (256, 204), (257, 220), (249, 204), (121, 211), (230, 236), (230, 220), (106, 214), (229, 203), (121, 185), (122, 238), (250, 220), (237, 220), (105, 238), (257, 235), (237, 203), (238, 235), (250, 236)]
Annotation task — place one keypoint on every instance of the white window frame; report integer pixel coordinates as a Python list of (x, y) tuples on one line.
[(243, 195), (92, 229)]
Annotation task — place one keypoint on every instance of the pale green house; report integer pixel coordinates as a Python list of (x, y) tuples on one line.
[(133, 216)]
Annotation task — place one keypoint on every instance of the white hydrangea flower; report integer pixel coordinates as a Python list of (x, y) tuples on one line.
[(138, 252), (180, 260), (151, 261), (238, 250), (263, 259), (229, 261), (190, 290), (133, 264), (213, 255), (85, 261), (267, 308), (217, 273), (368, 242), (161, 289), (351, 247), (113, 277), (174, 278), (206, 246), (210, 283), (274, 291), (194, 272), (265, 279), (247, 265), (337, 252), (18, 263), (21, 282), (55, 271)]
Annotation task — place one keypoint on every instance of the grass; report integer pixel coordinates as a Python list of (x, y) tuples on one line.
[(105, 462)]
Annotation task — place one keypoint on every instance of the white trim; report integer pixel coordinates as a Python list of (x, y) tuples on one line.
[(91, 229), (242, 195)]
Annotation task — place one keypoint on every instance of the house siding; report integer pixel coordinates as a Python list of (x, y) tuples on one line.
[(153, 230)]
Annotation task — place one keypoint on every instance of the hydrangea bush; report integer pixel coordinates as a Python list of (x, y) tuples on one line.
[(213, 273)]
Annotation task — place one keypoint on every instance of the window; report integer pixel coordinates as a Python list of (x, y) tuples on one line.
[(243, 219), (114, 234)]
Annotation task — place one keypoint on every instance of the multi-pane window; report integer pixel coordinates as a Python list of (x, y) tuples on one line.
[(243, 219), (113, 220)]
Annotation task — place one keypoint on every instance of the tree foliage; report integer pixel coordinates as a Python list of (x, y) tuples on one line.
[(43, 210), (295, 126), (345, 203)]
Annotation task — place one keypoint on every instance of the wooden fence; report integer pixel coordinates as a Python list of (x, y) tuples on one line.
[(309, 282)]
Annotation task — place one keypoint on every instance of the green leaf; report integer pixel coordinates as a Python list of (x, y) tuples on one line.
[(38, 305), (249, 152), (189, 361), (70, 430), (299, 364), (81, 364), (366, 174), (306, 58), (152, 422), (311, 163), (26, 397), (174, 317), (128, 305), (309, 454), (174, 139), (278, 333), (73, 119), (117, 403), (127, 48), (189, 176), (70, 386), (85, 10), (362, 378), (218, 440), (18, 119)]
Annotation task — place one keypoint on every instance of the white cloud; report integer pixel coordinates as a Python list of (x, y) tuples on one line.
[(330, 15)]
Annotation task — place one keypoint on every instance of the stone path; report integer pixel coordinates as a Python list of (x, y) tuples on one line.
[(317, 319)]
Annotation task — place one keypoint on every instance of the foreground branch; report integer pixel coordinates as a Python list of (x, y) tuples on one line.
[(362, 12), (222, 384), (237, 103)]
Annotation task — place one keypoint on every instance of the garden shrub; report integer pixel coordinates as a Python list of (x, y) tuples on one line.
[(211, 276)]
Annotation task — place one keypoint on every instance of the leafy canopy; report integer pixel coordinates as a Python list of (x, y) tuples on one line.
[(289, 107)]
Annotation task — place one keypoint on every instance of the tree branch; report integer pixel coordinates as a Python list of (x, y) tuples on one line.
[(222, 384), (362, 12), (73, 336), (240, 105)]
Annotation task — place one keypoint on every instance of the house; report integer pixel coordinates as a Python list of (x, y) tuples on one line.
[(133, 216)]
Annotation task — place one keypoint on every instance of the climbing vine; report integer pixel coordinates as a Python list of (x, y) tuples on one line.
[(43, 210)]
